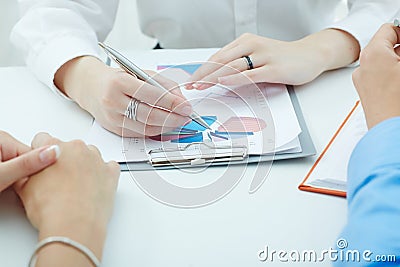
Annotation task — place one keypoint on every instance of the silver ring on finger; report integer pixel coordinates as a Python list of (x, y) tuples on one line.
[(131, 112)]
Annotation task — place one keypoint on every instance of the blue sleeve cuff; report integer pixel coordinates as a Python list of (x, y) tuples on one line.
[(379, 148)]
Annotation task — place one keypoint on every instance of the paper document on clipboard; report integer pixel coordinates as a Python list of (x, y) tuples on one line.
[(260, 118), (329, 173)]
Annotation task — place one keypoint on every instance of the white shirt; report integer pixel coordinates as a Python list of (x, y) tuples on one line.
[(51, 32)]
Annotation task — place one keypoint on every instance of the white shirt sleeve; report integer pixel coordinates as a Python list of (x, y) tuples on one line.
[(52, 32), (366, 16)]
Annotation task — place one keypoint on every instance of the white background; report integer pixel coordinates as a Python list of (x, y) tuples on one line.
[(127, 15), (119, 37)]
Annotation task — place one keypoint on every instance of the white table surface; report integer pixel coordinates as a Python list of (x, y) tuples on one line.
[(230, 232)]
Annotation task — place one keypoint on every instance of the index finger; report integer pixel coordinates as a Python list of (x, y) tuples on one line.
[(220, 59), (155, 96), (172, 86), (27, 165), (11, 147)]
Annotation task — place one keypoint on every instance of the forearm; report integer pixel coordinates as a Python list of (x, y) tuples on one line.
[(335, 48)]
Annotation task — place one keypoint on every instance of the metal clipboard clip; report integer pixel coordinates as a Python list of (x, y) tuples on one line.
[(198, 153)]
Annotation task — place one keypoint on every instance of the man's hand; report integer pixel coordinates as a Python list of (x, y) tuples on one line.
[(378, 78)]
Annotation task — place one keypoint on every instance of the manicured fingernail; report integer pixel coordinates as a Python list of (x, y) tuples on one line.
[(187, 110), (50, 154)]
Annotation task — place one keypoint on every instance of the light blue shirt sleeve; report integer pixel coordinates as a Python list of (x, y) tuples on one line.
[(373, 227)]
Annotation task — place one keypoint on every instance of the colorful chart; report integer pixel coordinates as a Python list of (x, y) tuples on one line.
[(242, 124), (191, 132), (188, 68), (233, 128)]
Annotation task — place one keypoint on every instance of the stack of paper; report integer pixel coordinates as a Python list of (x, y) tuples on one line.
[(260, 117)]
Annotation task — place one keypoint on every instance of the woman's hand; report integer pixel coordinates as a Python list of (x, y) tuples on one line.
[(106, 92), (18, 160), (72, 198), (275, 61)]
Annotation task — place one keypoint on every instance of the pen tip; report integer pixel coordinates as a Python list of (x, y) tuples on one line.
[(102, 45)]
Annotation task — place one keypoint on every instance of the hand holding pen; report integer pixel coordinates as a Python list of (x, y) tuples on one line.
[(377, 79), (135, 71), (107, 92)]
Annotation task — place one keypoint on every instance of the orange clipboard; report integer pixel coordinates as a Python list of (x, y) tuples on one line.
[(335, 192)]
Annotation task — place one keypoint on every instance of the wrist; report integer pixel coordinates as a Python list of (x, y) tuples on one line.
[(332, 48), (88, 232), (77, 77), (318, 55), (62, 251), (376, 114)]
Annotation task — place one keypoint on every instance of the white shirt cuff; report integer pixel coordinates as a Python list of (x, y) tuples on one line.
[(57, 52)]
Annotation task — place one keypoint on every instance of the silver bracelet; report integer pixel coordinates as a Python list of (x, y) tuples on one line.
[(64, 240)]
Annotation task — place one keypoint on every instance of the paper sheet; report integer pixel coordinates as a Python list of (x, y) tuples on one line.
[(120, 149), (266, 109), (331, 171)]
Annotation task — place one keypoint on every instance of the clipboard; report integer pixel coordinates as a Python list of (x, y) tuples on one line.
[(328, 183), (220, 156)]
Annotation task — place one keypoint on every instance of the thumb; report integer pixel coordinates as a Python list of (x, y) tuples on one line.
[(27, 164)]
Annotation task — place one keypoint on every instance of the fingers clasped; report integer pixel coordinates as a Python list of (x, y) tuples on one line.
[(18, 161)]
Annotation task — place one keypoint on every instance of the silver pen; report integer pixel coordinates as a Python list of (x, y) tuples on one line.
[(396, 23), (134, 70)]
